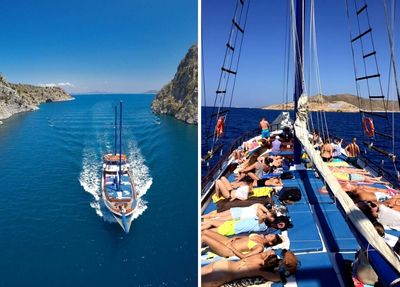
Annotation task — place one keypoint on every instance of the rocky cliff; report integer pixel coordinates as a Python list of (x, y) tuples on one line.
[(340, 103), (17, 98), (179, 97)]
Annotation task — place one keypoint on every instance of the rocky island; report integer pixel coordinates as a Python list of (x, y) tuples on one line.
[(179, 97), (339, 103), (18, 98)]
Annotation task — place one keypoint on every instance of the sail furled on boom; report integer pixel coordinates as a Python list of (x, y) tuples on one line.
[(218, 119), (356, 217)]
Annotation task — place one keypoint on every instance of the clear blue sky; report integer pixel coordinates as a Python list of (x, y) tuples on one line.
[(260, 77), (94, 45)]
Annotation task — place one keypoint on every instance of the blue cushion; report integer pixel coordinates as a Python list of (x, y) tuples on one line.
[(316, 270), (304, 235), (344, 239)]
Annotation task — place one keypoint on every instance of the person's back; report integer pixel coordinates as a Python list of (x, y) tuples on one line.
[(337, 148), (276, 145), (264, 125), (352, 151)]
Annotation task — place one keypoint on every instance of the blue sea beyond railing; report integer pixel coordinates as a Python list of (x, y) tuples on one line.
[(343, 125)]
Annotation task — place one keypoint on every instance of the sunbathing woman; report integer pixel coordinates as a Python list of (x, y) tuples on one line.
[(232, 227), (327, 151), (357, 177), (378, 198), (241, 246), (258, 169), (239, 191), (255, 211), (265, 264), (254, 157)]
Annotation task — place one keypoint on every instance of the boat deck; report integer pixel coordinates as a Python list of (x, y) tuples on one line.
[(320, 237), (111, 187)]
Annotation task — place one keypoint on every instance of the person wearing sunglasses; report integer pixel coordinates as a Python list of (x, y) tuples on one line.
[(380, 212)]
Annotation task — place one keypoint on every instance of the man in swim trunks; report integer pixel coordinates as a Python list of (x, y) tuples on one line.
[(352, 150), (264, 125)]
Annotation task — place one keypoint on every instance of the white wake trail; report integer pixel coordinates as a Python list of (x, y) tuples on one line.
[(90, 178)]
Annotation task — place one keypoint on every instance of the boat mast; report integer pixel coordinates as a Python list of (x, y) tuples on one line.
[(299, 52), (120, 144), (115, 130)]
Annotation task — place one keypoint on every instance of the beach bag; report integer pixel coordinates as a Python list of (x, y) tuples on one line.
[(287, 175), (289, 193)]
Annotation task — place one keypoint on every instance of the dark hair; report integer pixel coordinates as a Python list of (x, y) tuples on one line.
[(355, 197), (290, 261), (282, 219), (366, 209), (247, 179), (379, 228), (277, 240), (270, 263)]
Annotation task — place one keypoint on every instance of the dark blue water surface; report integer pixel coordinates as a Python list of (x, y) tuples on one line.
[(54, 230), (343, 125)]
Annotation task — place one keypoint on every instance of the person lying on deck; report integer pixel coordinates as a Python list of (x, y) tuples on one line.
[(349, 186), (386, 196), (241, 246), (265, 264), (232, 227), (381, 213), (273, 181), (255, 211), (240, 191), (327, 151), (258, 169), (254, 157), (357, 177)]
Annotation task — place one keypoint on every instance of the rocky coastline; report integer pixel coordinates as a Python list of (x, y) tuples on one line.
[(18, 98), (179, 97), (345, 103)]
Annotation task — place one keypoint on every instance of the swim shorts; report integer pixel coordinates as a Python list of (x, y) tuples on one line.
[(227, 228), (265, 133)]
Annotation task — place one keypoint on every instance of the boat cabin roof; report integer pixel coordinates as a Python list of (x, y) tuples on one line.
[(112, 157)]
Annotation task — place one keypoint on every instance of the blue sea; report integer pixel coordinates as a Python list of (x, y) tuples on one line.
[(342, 125), (54, 229)]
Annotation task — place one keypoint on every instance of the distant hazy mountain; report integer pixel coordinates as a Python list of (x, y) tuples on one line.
[(339, 103), (150, 92), (179, 97), (17, 98)]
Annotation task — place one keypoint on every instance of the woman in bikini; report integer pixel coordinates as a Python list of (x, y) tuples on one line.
[(241, 246), (327, 151), (240, 190), (264, 264), (256, 210)]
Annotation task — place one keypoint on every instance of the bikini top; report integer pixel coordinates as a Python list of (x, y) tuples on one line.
[(251, 244)]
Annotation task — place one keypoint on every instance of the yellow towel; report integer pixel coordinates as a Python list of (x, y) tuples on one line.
[(261, 191), (341, 175), (215, 198)]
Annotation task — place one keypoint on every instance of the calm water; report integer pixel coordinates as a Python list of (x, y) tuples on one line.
[(53, 229), (343, 125)]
